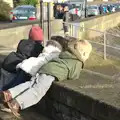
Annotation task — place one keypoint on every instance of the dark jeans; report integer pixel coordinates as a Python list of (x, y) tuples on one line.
[(20, 77), (65, 27)]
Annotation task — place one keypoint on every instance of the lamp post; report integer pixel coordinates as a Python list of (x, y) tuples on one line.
[(48, 16), (85, 5), (41, 15), (48, 19)]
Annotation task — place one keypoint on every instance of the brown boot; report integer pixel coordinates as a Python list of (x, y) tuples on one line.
[(5, 96), (4, 107), (15, 107)]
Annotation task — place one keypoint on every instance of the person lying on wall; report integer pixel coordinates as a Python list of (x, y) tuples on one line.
[(30, 66), (65, 67)]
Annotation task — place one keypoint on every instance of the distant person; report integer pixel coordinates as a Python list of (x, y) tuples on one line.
[(113, 9), (109, 8), (101, 9), (56, 11), (105, 10), (25, 49), (61, 12), (66, 67), (66, 18)]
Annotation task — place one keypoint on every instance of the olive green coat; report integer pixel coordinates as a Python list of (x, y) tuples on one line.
[(66, 67)]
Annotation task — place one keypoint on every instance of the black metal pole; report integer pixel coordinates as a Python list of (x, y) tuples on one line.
[(41, 15), (48, 19), (85, 8)]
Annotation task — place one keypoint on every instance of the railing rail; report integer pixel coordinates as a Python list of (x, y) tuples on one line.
[(104, 35)]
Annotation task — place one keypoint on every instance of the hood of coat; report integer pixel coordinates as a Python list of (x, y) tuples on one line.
[(55, 44), (73, 50), (67, 55)]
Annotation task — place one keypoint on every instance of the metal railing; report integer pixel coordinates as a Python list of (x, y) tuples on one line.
[(109, 41)]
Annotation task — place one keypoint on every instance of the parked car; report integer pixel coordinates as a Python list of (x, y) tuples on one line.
[(77, 10), (93, 10), (117, 6), (24, 12)]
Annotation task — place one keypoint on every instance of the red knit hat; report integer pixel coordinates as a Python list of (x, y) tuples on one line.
[(36, 33)]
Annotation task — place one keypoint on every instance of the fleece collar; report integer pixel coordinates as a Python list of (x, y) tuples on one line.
[(69, 55)]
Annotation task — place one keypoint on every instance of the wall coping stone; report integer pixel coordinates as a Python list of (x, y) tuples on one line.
[(92, 95)]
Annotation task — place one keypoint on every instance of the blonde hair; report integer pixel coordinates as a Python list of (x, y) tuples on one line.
[(84, 48), (81, 49)]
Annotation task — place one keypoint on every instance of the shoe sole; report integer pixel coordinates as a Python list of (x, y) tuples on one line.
[(16, 114)]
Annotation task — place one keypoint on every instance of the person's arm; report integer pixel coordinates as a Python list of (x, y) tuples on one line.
[(32, 65)]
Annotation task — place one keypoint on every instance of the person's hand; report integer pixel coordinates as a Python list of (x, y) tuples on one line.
[(27, 64), (18, 66)]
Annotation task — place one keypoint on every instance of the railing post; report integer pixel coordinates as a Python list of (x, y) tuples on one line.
[(42, 15), (105, 45), (70, 27), (72, 30), (48, 19)]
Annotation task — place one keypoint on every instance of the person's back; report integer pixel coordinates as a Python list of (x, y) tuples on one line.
[(30, 66), (29, 48), (25, 49), (63, 68), (109, 8)]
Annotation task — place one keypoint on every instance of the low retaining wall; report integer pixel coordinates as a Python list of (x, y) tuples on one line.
[(100, 23), (9, 37), (92, 97)]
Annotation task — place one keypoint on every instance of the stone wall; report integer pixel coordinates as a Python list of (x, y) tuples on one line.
[(10, 37), (59, 111), (100, 23), (66, 100)]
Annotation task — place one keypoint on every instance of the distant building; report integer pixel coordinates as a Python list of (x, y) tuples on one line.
[(10, 2)]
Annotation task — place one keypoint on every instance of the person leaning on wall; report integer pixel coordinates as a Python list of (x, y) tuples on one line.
[(68, 66), (26, 48)]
